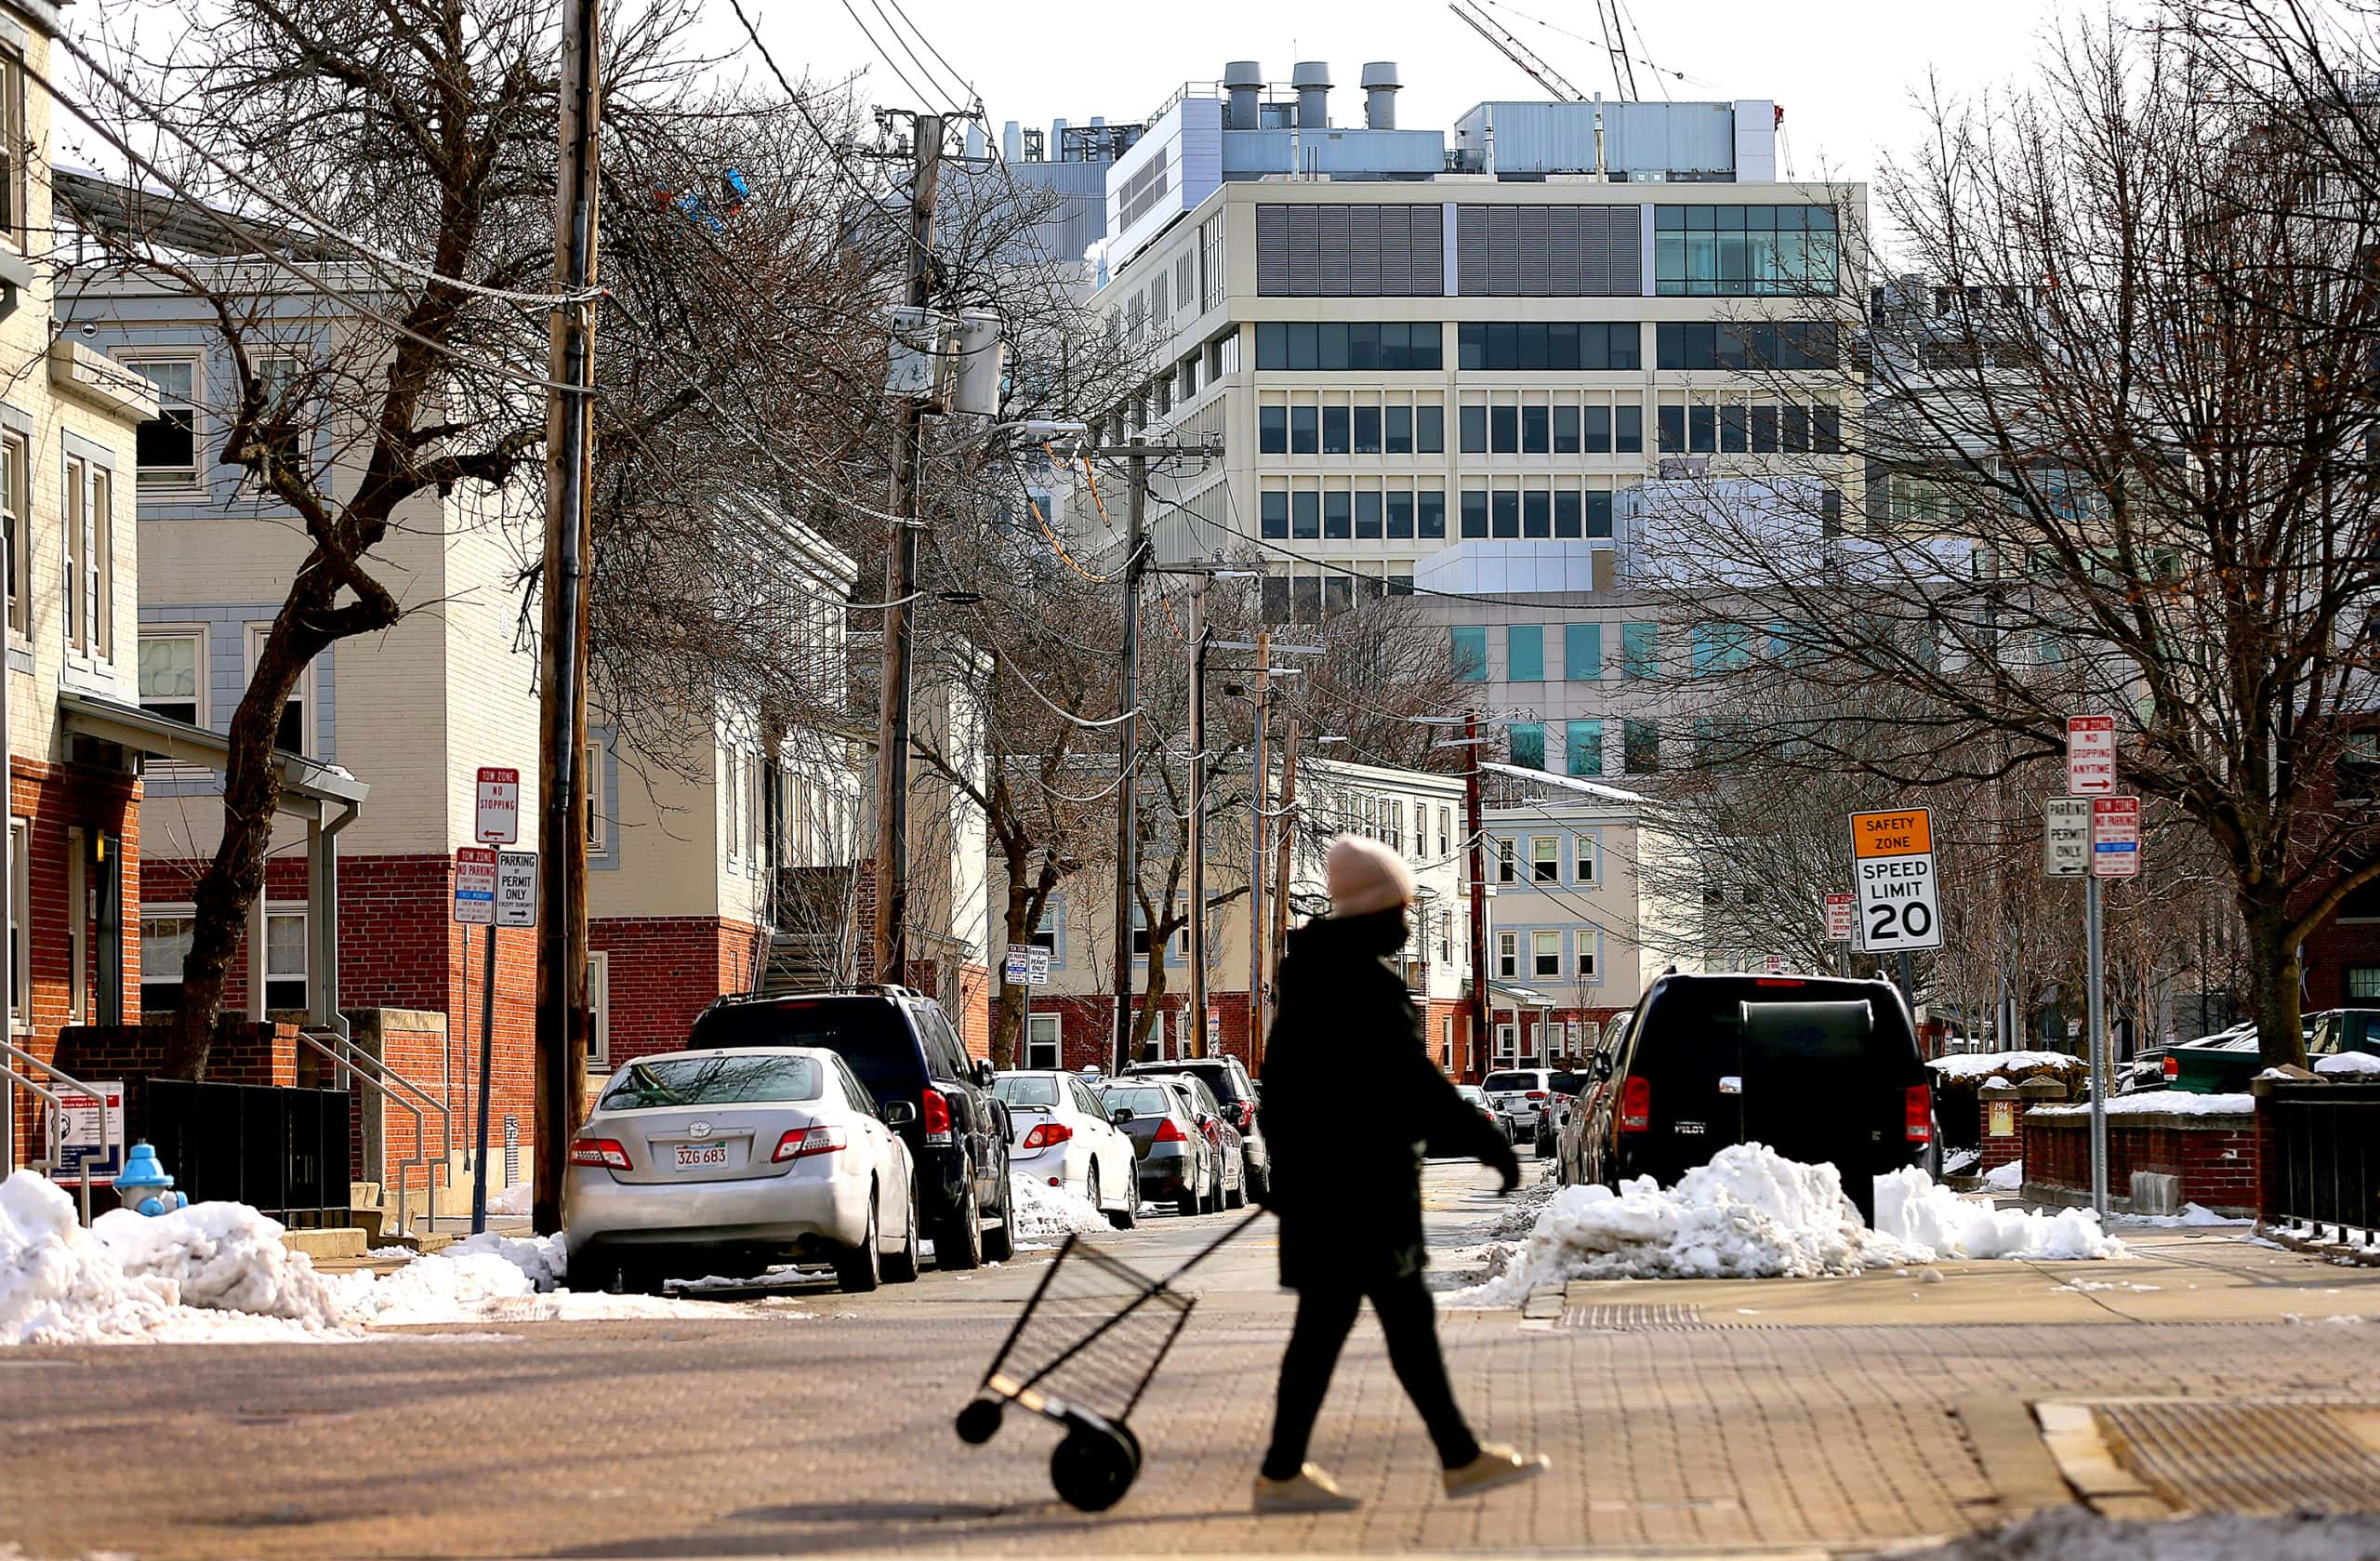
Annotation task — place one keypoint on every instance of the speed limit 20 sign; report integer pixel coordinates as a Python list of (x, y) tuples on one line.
[(1892, 868)]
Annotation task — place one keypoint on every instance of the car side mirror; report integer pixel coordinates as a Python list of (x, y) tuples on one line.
[(1601, 1067), (900, 1113), (984, 1073), (1121, 1115)]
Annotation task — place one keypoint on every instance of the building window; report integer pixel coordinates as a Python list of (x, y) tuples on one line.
[(88, 532), (1471, 426), (1640, 744), (1583, 859), (285, 961), (1738, 347), (1585, 968), (1721, 648), (165, 944), (1446, 940), (21, 951), (1746, 251), (599, 999), (1507, 1043), (1446, 818), (1507, 864), (731, 775), (599, 799), (1507, 347), (1582, 747), (1041, 1046), (1640, 650), (1341, 346), (1525, 653), (2362, 983), (1582, 652), (1508, 954), (169, 681), (1305, 429), (1544, 860), (14, 146), (295, 734), (1527, 740), (1545, 954), (16, 510), (1273, 429), (1430, 429), (166, 445), (1470, 654)]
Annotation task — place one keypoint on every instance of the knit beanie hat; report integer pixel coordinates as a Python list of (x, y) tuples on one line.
[(1364, 876)]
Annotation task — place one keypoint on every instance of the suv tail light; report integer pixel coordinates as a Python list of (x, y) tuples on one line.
[(1169, 1132), (799, 1143), (1636, 1104), (2173, 1068), (1919, 1110), (1537, 1094), (933, 1113), (1046, 1133), (1247, 1115), (599, 1151)]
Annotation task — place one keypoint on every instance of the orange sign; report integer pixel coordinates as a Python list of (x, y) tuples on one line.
[(1905, 833)]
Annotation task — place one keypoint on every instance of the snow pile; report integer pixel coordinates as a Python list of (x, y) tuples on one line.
[(1041, 1215), (469, 1281), (1932, 1222), (1959, 1162), (1752, 1214), (2005, 1178), (1975, 1065), (2349, 1063), (211, 1271), (512, 1201), (2191, 1215), (2076, 1534), (2161, 1103), (1518, 1216)]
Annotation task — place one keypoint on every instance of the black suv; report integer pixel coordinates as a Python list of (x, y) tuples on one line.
[(903, 1049), (1820, 1070), (1227, 1077)]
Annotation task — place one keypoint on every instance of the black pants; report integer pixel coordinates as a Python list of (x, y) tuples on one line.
[(1409, 1318)]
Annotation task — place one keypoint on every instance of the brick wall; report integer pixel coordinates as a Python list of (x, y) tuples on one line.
[(2215, 1156), (242, 1053), (664, 970)]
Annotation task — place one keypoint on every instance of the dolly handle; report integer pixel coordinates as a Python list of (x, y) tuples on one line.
[(1212, 1248)]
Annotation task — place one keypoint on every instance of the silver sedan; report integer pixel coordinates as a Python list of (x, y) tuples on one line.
[(735, 1161)]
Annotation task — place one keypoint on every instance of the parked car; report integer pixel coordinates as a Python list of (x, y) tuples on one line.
[(1520, 1094), (708, 1162), (1561, 1093), (1819, 1069), (1570, 1137), (1231, 1190), (1478, 1097), (1227, 1078), (1063, 1136), (903, 1049), (1178, 1163)]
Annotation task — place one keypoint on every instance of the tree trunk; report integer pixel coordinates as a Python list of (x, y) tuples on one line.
[(2274, 974), (1153, 990), (1008, 1015)]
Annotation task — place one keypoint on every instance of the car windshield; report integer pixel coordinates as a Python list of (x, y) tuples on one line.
[(1471, 1091), (1026, 1089), (1216, 1076), (867, 1032), (721, 1078), (1146, 1099), (1511, 1081), (1570, 1083)]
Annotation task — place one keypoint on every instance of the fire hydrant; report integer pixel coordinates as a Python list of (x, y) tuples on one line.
[(144, 1187)]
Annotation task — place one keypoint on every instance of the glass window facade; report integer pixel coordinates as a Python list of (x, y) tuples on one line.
[(1470, 653), (1582, 747), (1528, 744), (1525, 653), (1350, 346), (1743, 251), (1583, 652), (1799, 344), (1515, 347), (1640, 652)]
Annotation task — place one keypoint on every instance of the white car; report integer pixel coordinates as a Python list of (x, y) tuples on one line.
[(738, 1160), (1520, 1096), (1064, 1137)]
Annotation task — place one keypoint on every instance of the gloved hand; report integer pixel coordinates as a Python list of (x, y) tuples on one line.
[(1507, 1165)]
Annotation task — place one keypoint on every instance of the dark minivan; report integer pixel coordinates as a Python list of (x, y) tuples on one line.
[(1819, 1069), (903, 1048)]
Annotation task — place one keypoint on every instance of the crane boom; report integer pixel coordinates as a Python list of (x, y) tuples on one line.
[(1517, 52)]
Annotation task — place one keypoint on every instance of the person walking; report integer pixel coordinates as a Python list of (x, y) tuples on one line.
[(1345, 1015)]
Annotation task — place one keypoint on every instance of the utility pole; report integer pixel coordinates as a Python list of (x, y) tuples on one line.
[(1198, 816), (1260, 784), (1287, 847), (1128, 753), (561, 714), (1475, 826), (888, 943)]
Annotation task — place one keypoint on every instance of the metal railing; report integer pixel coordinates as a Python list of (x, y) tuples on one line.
[(350, 1065), (58, 1114), (2323, 1182)]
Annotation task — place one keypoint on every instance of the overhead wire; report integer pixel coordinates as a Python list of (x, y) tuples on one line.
[(886, 55)]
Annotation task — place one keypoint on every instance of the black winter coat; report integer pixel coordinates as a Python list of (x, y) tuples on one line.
[(1351, 1104)]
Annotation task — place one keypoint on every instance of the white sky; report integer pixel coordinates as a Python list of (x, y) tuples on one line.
[(1844, 69)]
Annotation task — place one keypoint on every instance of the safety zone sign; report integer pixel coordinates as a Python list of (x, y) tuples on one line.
[(1892, 865), (474, 885), (2115, 836)]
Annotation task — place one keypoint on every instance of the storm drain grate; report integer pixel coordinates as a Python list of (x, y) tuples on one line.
[(1639, 1317), (2247, 1456)]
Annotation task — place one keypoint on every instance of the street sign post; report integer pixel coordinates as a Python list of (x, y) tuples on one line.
[(2115, 852), (515, 905), (1892, 860), (500, 806), (2089, 755), (2066, 836), (1027, 966)]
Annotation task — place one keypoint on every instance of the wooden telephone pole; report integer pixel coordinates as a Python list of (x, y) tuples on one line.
[(1476, 827), (562, 1018)]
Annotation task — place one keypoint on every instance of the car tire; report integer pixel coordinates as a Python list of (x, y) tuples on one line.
[(958, 1240), (597, 1273), (902, 1267), (1128, 1215), (1000, 1242), (860, 1269), (1237, 1196)]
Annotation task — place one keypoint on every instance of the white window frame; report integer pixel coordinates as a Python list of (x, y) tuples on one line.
[(17, 495), (1446, 842), (599, 1001), (1034, 1044), (301, 692), (1585, 860), (86, 562), (730, 770), (165, 911), (196, 634), (1508, 1044), (1508, 955), (599, 820), (15, 147), (289, 911), (1587, 960), (1544, 945), (174, 480), (20, 941), (755, 816), (1508, 869), (1545, 852)]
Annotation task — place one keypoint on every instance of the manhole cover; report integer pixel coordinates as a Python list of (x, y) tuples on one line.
[(1638, 1318), (2248, 1455)]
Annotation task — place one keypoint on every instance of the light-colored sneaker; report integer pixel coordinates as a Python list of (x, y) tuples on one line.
[(1496, 1466), (1311, 1490)]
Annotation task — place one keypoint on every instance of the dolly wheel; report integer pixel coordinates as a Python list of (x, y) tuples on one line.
[(978, 1420), (1091, 1469)]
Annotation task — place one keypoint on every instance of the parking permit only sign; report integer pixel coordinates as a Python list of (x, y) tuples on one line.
[(1892, 865)]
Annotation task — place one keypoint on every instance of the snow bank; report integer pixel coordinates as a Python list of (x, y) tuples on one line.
[(1976, 1065), (2349, 1062), (512, 1201), (2005, 1178), (211, 1271), (1959, 1162), (462, 1283), (2159, 1103), (1913, 1212), (1043, 1216), (1752, 1214)]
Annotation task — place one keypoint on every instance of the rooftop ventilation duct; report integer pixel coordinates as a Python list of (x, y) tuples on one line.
[(1243, 85), (1312, 78), (1379, 95)]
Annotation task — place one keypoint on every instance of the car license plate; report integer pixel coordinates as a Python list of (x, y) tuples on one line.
[(700, 1156)]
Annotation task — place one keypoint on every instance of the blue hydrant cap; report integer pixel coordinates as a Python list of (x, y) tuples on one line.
[(142, 1168)]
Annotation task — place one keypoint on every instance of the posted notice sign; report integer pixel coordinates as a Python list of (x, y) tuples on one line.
[(2115, 836), (474, 885), (2066, 836), (516, 888), (1027, 965), (500, 806), (1841, 913), (1892, 862), (81, 1139), (2089, 755)]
